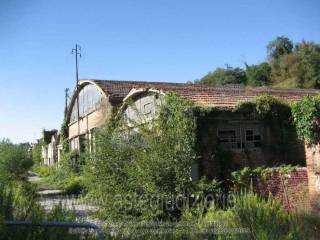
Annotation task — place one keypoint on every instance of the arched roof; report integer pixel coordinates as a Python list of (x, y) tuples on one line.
[(200, 94), (81, 85), (211, 96)]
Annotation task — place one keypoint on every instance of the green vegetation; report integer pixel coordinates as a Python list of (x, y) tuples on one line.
[(279, 47), (258, 75), (145, 161), (74, 185), (249, 216), (67, 176), (18, 202), (136, 173), (222, 76), (18, 199), (36, 154), (15, 161), (244, 177), (44, 171), (289, 66), (64, 136), (265, 108), (306, 115)]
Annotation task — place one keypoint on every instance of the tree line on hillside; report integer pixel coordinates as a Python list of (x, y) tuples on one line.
[(288, 65)]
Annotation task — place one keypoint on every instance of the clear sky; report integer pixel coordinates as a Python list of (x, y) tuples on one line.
[(164, 40)]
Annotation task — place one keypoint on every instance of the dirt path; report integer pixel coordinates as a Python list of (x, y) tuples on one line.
[(49, 198)]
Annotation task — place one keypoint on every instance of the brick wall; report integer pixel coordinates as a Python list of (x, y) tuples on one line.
[(291, 190), (313, 166)]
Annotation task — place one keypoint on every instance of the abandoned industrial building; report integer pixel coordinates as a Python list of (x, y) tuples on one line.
[(252, 143)]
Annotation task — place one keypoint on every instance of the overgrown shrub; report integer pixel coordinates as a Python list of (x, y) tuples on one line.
[(144, 162), (74, 185), (44, 171), (36, 154), (15, 161), (306, 116), (68, 171), (18, 202), (266, 108), (250, 217), (245, 177)]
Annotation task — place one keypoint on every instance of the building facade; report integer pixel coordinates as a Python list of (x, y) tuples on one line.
[(50, 147), (251, 142)]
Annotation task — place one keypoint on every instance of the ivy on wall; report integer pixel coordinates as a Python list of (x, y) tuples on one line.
[(245, 177), (266, 108), (64, 140), (306, 117)]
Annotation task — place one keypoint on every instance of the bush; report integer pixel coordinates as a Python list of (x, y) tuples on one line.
[(74, 185), (18, 202), (44, 171), (256, 214), (154, 162), (15, 161), (257, 217), (245, 177), (306, 115), (68, 175), (36, 154)]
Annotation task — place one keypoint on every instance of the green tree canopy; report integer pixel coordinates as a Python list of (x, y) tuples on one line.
[(258, 75), (289, 66), (223, 76), (309, 56), (15, 160), (278, 47)]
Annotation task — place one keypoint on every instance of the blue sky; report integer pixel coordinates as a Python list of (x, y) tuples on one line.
[(164, 40)]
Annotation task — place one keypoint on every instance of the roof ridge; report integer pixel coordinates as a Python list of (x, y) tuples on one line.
[(204, 86)]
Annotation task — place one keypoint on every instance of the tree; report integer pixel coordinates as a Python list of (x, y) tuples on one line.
[(144, 161), (309, 54), (258, 75), (36, 154), (222, 76), (14, 161), (300, 68), (287, 71), (278, 47)]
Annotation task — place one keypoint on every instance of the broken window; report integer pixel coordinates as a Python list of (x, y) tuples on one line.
[(229, 139), (253, 138), (239, 136)]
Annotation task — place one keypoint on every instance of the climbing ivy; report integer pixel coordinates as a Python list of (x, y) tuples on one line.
[(244, 177), (64, 140), (306, 116), (266, 108)]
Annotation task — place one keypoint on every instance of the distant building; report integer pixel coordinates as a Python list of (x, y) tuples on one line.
[(50, 147)]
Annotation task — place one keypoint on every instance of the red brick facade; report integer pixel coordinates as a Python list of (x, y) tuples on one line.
[(290, 189)]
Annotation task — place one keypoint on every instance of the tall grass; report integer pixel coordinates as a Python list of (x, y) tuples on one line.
[(18, 202), (261, 218)]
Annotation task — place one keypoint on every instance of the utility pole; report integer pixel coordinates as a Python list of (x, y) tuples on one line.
[(77, 52)]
